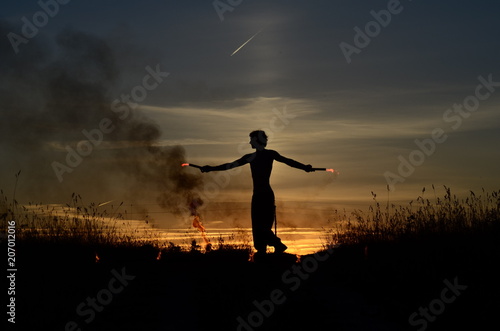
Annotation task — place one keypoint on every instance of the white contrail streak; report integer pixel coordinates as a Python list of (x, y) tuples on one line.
[(104, 203), (246, 42)]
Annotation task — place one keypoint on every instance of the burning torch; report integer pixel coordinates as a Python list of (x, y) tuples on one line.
[(191, 165), (324, 169)]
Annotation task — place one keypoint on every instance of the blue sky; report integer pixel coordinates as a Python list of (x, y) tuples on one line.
[(359, 117)]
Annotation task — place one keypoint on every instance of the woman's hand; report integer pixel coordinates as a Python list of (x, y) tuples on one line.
[(206, 168)]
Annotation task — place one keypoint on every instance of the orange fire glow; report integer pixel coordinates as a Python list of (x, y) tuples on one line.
[(198, 225), (96, 258), (185, 164), (330, 170)]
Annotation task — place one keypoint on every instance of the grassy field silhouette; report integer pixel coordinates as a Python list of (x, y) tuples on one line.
[(383, 269)]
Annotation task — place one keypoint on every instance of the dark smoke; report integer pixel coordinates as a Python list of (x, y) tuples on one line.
[(160, 168), (49, 94)]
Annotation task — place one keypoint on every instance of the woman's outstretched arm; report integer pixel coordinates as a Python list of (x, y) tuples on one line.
[(292, 163), (226, 166)]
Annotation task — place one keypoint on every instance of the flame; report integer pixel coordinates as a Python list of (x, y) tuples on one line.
[(185, 164), (198, 225), (193, 207), (97, 258), (331, 170), (158, 257)]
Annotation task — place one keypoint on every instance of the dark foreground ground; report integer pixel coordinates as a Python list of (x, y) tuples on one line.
[(436, 283)]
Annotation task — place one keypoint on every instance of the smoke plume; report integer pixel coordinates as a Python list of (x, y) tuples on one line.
[(54, 90)]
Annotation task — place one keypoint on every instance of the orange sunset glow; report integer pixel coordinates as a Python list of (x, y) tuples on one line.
[(250, 165)]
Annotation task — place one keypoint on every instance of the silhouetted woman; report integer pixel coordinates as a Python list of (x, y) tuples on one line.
[(263, 208)]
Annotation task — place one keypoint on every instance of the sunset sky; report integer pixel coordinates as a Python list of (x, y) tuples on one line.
[(418, 88)]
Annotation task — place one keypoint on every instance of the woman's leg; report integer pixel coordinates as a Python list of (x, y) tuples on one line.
[(263, 217)]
